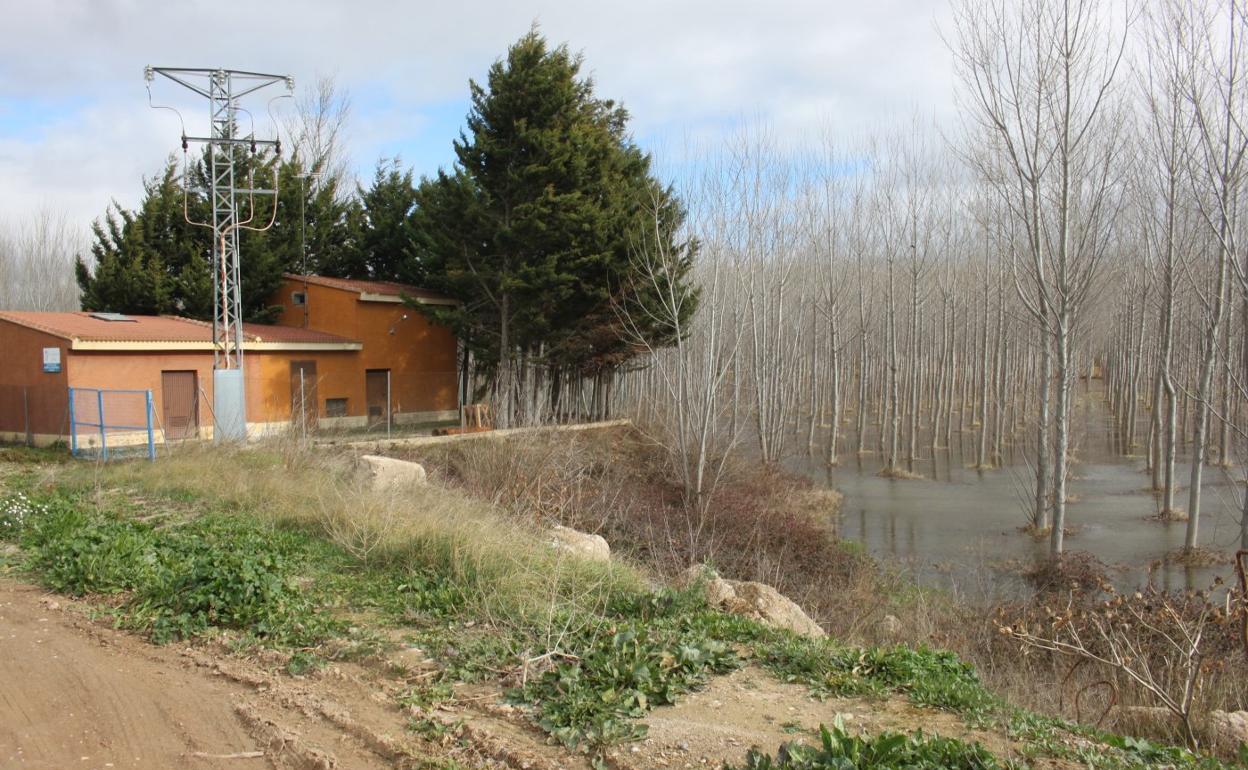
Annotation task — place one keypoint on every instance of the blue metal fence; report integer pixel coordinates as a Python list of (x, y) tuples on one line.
[(102, 420)]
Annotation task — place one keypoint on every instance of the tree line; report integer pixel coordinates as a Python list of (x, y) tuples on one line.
[(37, 261), (530, 229), (925, 287), (941, 286)]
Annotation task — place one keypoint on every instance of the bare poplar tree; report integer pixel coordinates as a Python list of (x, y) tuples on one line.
[(317, 129), (1037, 80), (37, 263), (692, 376), (1211, 79)]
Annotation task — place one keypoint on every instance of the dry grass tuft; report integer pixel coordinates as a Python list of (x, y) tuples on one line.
[(1197, 557), (1075, 570), (502, 565)]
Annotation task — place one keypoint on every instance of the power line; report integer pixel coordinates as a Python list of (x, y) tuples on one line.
[(225, 146)]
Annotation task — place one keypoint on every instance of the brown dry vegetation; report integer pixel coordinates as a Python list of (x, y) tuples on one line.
[(761, 525), (765, 525)]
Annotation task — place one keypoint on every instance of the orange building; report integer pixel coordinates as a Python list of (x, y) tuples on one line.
[(344, 354), (403, 353)]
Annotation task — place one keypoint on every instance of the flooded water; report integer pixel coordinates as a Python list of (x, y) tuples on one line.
[(960, 528)]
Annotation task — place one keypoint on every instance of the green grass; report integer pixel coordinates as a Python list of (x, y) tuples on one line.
[(21, 454), (244, 541), (216, 571), (933, 678), (838, 750)]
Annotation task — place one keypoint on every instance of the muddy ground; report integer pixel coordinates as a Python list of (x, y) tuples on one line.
[(75, 693), (76, 696)]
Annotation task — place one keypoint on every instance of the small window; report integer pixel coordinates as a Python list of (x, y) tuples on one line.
[(298, 298), (335, 407)]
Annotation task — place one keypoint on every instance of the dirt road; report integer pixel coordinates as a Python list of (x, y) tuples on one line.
[(74, 693), (79, 697)]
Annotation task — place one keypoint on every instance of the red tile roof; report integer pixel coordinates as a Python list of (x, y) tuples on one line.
[(384, 288), (148, 328), (293, 334)]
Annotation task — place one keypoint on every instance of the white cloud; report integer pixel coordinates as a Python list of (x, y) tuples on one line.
[(687, 68)]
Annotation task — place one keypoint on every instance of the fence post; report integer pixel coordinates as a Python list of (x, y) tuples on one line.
[(99, 400), (73, 426), (30, 438), (151, 439), (303, 407)]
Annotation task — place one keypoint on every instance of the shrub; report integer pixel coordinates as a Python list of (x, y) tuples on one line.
[(886, 751)]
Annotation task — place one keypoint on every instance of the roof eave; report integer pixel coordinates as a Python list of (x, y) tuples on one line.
[(36, 327), (157, 346), (396, 299)]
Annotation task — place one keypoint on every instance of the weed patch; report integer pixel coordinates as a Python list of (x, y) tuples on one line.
[(646, 652), (886, 751), (933, 678), (222, 571)]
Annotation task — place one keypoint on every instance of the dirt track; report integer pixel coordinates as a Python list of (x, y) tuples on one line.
[(75, 699), (75, 693)]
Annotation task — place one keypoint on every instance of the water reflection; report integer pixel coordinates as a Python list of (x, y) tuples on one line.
[(960, 528)]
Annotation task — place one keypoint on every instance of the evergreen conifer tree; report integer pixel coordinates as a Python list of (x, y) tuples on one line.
[(153, 261), (531, 228), (383, 227)]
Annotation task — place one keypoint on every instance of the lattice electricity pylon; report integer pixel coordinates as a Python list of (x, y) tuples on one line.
[(223, 89)]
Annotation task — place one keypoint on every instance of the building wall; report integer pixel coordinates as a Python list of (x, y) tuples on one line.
[(126, 370), (270, 394), (33, 403), (267, 373), (327, 310), (420, 355)]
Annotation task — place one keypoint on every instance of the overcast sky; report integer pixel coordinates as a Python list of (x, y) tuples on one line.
[(76, 130)]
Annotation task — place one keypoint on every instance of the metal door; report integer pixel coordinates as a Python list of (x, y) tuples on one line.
[(179, 395), (303, 403), (376, 395)]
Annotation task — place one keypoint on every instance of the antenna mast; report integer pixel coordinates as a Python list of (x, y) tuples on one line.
[(223, 89)]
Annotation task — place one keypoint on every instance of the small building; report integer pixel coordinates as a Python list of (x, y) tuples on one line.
[(402, 354), (343, 354)]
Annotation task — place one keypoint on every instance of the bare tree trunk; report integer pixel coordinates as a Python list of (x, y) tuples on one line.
[(1200, 440), (894, 427), (1042, 511), (834, 433)]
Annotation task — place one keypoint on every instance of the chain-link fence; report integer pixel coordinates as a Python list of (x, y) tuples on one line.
[(105, 421)]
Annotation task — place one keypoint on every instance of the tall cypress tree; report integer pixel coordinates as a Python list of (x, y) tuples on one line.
[(531, 228), (383, 226), (152, 260)]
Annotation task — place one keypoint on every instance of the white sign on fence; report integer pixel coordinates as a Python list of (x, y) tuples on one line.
[(52, 359)]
